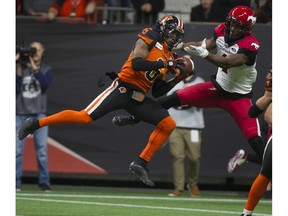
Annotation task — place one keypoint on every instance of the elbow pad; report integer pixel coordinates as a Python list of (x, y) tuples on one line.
[(254, 111), (140, 64)]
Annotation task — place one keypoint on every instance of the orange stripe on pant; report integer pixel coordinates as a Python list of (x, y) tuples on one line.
[(158, 137), (81, 117)]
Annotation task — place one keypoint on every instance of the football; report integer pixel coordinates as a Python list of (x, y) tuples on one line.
[(188, 66)]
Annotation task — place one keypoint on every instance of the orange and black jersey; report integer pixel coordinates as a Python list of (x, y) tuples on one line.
[(158, 49), (268, 83)]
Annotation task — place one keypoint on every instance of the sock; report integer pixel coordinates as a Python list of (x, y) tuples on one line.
[(247, 212), (66, 116), (257, 190), (158, 137)]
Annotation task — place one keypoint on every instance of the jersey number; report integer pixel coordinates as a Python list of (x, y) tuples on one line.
[(146, 30)]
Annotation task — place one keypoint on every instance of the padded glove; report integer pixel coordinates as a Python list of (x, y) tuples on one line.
[(198, 50)]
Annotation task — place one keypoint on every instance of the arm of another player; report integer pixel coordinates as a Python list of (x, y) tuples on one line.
[(261, 104), (201, 50), (233, 60), (210, 44)]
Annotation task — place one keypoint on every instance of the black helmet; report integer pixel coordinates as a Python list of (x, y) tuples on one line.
[(172, 29)]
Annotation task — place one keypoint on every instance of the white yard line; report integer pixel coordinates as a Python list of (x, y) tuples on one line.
[(138, 197), (127, 205)]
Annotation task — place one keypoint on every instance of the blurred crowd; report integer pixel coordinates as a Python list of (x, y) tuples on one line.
[(146, 11)]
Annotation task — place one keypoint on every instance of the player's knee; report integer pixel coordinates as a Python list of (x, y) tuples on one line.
[(167, 124)]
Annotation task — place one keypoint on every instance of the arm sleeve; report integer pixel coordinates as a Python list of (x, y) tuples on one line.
[(254, 111), (140, 64)]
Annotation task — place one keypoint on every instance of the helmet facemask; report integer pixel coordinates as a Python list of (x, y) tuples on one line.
[(235, 30), (171, 29), (239, 23), (173, 36)]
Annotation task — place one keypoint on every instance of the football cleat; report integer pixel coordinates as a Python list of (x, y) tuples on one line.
[(28, 127), (124, 120), (141, 173), (236, 161)]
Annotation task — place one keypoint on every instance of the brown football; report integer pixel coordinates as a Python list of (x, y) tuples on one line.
[(189, 65)]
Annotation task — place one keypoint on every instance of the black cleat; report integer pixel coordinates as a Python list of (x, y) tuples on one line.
[(141, 173), (124, 120), (45, 187), (28, 127)]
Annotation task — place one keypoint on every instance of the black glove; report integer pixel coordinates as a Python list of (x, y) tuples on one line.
[(172, 64)]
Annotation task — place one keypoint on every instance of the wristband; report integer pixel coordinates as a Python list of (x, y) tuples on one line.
[(254, 111)]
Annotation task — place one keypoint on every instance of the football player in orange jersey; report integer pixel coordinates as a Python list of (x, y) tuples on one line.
[(146, 67), (261, 182)]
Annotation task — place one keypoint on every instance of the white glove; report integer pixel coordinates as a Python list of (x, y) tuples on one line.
[(178, 47), (198, 50)]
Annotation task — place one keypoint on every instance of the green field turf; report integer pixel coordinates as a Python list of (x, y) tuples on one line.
[(110, 201)]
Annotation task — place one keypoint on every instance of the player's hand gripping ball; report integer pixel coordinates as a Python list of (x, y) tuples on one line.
[(185, 70)]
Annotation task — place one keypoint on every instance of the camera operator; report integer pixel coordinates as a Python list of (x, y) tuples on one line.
[(33, 78)]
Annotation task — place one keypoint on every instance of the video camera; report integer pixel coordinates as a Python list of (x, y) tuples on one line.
[(25, 51)]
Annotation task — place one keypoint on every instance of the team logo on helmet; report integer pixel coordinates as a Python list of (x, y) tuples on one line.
[(252, 19), (255, 45)]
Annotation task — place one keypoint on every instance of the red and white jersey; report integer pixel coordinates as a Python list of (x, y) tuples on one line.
[(237, 79)]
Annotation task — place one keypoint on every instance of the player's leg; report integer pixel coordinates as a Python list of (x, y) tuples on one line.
[(201, 95), (259, 185), (250, 129), (166, 102), (151, 112), (68, 116)]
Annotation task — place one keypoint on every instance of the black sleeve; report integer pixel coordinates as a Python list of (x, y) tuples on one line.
[(254, 111), (160, 87), (140, 64), (250, 54)]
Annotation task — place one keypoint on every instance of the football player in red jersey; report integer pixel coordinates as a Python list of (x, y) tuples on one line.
[(146, 67), (264, 177), (231, 88)]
